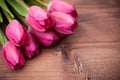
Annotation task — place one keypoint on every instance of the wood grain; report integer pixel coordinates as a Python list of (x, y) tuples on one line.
[(91, 53)]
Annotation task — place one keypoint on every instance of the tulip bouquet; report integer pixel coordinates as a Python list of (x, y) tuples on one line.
[(31, 24)]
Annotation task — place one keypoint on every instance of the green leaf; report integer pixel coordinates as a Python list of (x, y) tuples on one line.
[(19, 6), (4, 7), (3, 38), (1, 19)]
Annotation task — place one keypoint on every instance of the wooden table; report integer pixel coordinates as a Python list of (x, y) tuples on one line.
[(91, 53)]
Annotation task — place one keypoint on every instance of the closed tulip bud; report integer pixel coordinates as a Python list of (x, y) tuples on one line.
[(16, 33), (64, 23), (12, 56), (39, 19), (62, 6), (32, 48), (46, 38)]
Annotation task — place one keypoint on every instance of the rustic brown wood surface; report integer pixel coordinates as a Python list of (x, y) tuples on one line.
[(91, 53)]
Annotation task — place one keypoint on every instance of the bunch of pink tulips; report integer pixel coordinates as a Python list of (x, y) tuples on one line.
[(45, 28)]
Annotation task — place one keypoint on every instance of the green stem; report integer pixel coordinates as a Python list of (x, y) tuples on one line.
[(41, 3), (21, 18), (23, 4), (7, 16), (37, 2), (3, 38)]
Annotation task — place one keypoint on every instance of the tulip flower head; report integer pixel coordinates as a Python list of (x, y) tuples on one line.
[(39, 19), (12, 56), (62, 6), (46, 38), (32, 48), (64, 23), (16, 33)]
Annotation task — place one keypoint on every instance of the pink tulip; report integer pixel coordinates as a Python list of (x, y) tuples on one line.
[(32, 48), (12, 56), (64, 23), (16, 33), (46, 38), (62, 6), (39, 19)]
